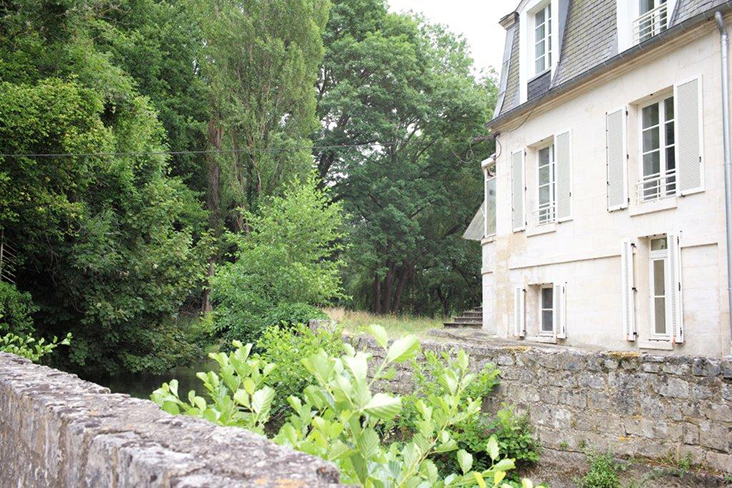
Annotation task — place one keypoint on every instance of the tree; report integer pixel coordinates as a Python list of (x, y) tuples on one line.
[(290, 257), (404, 87), (110, 244)]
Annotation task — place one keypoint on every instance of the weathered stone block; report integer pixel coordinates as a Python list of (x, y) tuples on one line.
[(714, 435)]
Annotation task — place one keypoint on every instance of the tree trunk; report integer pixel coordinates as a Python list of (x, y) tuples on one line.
[(377, 294), (406, 274), (389, 285), (213, 200)]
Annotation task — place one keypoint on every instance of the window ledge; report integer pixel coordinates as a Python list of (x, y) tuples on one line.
[(660, 345), (656, 206), (488, 239), (541, 229), (542, 339)]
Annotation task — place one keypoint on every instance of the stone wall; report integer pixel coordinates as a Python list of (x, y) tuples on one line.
[(57, 430), (644, 406)]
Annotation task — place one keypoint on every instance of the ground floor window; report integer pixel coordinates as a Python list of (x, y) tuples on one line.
[(546, 310), (659, 276)]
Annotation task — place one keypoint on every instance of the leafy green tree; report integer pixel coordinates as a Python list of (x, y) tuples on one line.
[(289, 257), (406, 86)]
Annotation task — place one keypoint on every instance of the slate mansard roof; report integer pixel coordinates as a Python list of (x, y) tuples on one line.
[(588, 39)]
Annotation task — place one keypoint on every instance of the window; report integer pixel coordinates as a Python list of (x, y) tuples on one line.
[(659, 279), (658, 156), (490, 203), (653, 19), (546, 310), (543, 39), (547, 185)]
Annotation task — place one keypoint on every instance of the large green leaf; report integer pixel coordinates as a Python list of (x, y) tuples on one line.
[(384, 407), (403, 349)]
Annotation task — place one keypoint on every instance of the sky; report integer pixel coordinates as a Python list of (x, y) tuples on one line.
[(477, 20)]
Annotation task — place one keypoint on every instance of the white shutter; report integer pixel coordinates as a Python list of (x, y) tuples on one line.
[(519, 312), (563, 150), (560, 311), (617, 160), (627, 290), (518, 213), (675, 296), (688, 137)]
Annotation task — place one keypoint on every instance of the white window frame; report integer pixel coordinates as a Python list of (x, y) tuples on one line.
[(546, 9), (542, 309), (490, 175), (551, 206), (661, 255), (664, 179)]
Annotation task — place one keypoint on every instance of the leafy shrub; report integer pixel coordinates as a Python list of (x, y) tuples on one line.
[(289, 259), (290, 314), (339, 418), (28, 347), (603, 472), (285, 346), (16, 310)]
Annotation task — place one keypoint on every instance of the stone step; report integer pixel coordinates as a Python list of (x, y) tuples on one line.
[(468, 320), (458, 325)]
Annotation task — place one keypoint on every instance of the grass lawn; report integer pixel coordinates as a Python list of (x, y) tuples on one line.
[(395, 325)]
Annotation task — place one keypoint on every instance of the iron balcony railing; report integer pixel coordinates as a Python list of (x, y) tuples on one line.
[(545, 214), (656, 186), (650, 23)]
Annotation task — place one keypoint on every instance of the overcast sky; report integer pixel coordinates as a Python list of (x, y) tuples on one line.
[(477, 20)]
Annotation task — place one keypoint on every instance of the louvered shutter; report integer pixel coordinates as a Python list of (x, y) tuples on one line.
[(687, 106), (562, 145), (518, 191), (627, 290), (519, 312), (674, 295), (617, 160), (560, 311)]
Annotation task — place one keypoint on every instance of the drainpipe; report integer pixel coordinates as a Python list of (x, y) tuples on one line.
[(724, 42)]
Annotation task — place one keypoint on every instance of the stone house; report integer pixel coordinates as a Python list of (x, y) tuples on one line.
[(604, 222)]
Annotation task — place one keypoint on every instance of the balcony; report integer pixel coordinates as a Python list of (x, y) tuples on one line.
[(545, 214), (657, 186), (650, 24)]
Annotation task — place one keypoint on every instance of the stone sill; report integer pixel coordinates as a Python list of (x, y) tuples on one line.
[(656, 345), (542, 339), (652, 207), (542, 229), (488, 239)]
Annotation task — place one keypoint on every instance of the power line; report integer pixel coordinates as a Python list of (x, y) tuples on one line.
[(202, 151)]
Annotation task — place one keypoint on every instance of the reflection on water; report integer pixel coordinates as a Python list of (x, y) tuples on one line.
[(141, 385)]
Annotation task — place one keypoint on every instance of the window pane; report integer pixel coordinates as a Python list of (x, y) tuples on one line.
[(651, 164), (544, 156), (670, 159), (650, 115), (670, 134), (659, 244), (540, 17), (547, 321), (650, 139), (646, 6), (540, 32), (544, 175), (659, 278), (669, 108), (544, 195), (547, 298), (660, 315)]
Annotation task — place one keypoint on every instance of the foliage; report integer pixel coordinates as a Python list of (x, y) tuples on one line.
[(238, 394), (603, 472), (396, 325), (406, 85), (287, 346), (16, 310), (338, 418), (289, 258), (28, 347)]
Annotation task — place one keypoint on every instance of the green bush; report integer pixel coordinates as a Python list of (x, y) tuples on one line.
[(287, 346), (288, 260), (28, 347), (603, 472), (338, 418), (16, 310), (290, 314)]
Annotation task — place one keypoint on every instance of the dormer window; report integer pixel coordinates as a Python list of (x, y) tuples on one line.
[(543, 39), (653, 19)]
